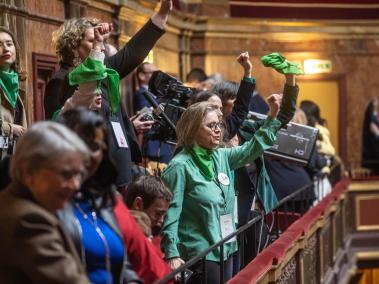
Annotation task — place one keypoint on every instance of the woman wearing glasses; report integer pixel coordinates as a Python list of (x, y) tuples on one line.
[(201, 212)]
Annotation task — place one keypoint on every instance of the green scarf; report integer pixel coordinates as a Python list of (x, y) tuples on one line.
[(94, 70), (9, 84), (280, 64), (203, 159)]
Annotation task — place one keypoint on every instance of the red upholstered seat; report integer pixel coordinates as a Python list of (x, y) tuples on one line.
[(340, 187), (255, 269), (281, 246)]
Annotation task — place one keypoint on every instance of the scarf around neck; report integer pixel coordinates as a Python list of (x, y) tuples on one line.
[(9, 85), (203, 159)]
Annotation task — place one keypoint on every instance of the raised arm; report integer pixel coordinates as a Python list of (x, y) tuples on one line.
[(262, 139), (89, 73), (139, 46), (241, 105)]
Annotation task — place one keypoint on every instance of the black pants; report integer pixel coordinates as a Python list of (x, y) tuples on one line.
[(212, 272)]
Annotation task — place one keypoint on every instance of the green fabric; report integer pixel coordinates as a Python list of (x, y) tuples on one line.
[(203, 159), (265, 191), (281, 64), (93, 70), (56, 114), (249, 80), (192, 223), (9, 85)]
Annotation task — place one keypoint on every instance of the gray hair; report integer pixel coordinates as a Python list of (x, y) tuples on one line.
[(42, 146)]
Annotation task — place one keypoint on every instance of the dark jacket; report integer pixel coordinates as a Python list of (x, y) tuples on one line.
[(240, 109), (370, 142), (51, 99), (246, 182), (125, 274), (124, 61), (34, 247)]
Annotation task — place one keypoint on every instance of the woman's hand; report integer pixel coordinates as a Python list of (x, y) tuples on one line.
[(175, 262), (102, 32), (274, 104), (244, 60), (160, 18), (140, 125), (18, 130)]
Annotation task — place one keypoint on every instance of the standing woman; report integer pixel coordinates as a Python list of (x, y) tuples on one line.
[(201, 211), (12, 112), (370, 137)]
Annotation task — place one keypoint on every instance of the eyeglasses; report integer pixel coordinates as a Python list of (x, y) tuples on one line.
[(214, 125)]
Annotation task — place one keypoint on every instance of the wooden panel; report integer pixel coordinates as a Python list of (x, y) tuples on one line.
[(305, 9), (44, 67), (367, 212)]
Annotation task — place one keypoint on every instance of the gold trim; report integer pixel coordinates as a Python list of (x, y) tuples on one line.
[(364, 186), (367, 255), (291, 253), (358, 213), (305, 5)]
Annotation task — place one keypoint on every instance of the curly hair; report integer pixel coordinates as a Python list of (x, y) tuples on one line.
[(69, 35)]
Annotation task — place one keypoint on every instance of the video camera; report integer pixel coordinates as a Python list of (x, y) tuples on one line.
[(168, 96), (294, 143)]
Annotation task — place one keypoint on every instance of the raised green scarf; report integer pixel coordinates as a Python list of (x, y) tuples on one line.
[(203, 159), (281, 64), (94, 70), (9, 85)]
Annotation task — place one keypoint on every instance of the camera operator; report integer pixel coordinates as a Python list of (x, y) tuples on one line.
[(152, 149)]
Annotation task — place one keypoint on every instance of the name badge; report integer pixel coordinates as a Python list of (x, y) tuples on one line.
[(4, 142), (227, 228), (120, 137), (223, 179)]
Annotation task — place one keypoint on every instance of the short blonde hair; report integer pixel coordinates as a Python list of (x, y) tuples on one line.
[(190, 122), (69, 35)]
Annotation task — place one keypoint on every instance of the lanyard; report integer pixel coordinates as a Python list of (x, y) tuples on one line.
[(93, 222)]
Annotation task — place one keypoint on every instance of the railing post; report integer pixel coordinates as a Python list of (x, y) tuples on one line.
[(222, 264), (204, 268)]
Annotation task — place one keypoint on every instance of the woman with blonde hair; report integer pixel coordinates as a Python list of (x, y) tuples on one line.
[(201, 211)]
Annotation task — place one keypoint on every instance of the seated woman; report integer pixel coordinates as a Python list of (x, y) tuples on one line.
[(201, 211), (370, 137), (97, 218), (89, 218), (46, 170)]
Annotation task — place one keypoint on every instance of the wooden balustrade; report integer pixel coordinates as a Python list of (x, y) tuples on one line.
[(329, 244)]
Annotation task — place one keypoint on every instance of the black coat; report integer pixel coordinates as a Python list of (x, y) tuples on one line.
[(124, 62)]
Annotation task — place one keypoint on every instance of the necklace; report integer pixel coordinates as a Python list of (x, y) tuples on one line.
[(93, 222)]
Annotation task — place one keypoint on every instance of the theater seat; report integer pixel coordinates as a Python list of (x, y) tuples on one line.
[(255, 269)]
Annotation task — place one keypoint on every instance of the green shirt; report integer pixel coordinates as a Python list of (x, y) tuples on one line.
[(192, 223)]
